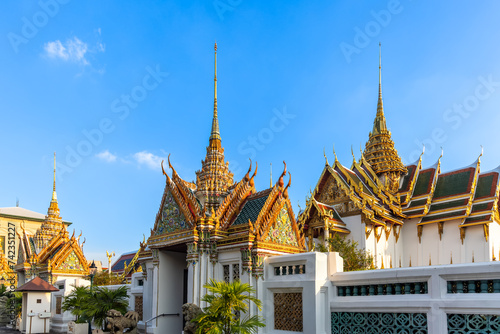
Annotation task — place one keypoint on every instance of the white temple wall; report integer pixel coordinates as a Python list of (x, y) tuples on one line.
[(475, 244), (60, 319), (494, 242), (408, 240), (429, 246), (450, 243), (170, 291)]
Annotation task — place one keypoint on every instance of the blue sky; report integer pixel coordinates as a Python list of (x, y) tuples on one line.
[(294, 78)]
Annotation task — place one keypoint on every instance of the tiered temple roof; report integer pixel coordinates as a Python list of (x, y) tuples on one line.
[(51, 252), (215, 212)]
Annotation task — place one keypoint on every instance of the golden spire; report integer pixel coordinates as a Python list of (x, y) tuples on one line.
[(215, 134), (54, 195), (379, 149), (379, 125), (214, 178)]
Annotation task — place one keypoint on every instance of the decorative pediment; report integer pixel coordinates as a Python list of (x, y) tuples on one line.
[(281, 231), (72, 262), (170, 219), (331, 193)]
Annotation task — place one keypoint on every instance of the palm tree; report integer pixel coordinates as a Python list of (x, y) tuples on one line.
[(225, 301), (74, 301), (86, 305), (102, 300)]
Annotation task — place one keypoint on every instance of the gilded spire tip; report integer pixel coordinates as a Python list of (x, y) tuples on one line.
[(54, 195)]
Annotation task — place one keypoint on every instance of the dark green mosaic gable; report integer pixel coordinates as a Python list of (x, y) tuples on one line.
[(454, 184), (423, 182), (251, 210), (486, 185), (407, 177)]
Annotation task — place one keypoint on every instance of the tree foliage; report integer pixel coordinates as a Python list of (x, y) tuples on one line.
[(75, 301), (86, 305), (355, 258), (104, 278), (226, 302)]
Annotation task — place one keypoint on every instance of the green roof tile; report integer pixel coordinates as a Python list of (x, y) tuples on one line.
[(251, 210), (423, 180), (486, 185), (444, 216), (448, 205), (407, 177), (455, 183), (477, 219)]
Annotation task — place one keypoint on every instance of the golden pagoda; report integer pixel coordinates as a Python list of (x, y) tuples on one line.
[(53, 223), (51, 253), (379, 149), (214, 179)]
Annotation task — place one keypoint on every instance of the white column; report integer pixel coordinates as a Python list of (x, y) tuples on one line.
[(190, 284)]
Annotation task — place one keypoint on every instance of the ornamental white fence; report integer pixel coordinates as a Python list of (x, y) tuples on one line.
[(319, 298)]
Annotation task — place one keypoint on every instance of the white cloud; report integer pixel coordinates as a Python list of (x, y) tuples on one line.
[(73, 50), (106, 156), (149, 159)]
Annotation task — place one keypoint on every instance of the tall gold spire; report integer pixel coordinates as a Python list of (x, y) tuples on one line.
[(54, 195), (379, 149), (215, 134), (53, 222), (379, 124), (214, 178)]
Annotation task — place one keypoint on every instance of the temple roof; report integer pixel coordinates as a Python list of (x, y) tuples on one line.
[(37, 284)]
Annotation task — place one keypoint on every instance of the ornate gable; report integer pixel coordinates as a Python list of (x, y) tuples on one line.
[(72, 262), (281, 231), (170, 218)]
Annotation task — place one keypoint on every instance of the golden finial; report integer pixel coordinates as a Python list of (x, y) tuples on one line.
[(335, 154), (54, 195), (215, 122), (380, 70), (421, 154), (481, 151), (326, 159), (353, 157)]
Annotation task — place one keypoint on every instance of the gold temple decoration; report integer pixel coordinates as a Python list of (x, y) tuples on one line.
[(214, 179), (462, 234), (419, 233), (486, 231), (440, 229), (53, 222), (109, 256), (379, 149), (382, 263), (493, 253), (397, 232)]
